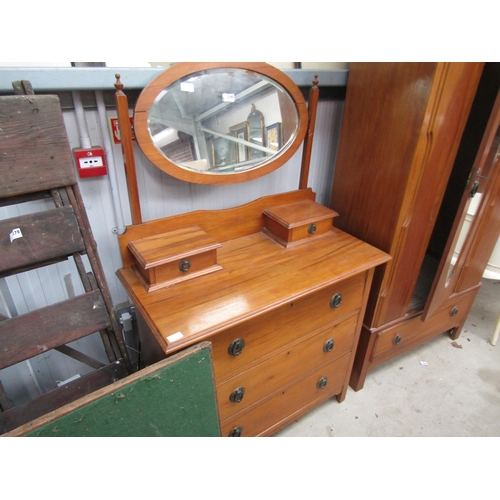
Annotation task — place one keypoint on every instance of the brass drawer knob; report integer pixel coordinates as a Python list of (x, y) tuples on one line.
[(311, 229), (336, 300), (236, 432), (236, 347), (397, 339), (237, 395), (322, 383), (185, 265), (328, 347)]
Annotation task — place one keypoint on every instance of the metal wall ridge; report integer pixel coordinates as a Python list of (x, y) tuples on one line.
[(98, 78)]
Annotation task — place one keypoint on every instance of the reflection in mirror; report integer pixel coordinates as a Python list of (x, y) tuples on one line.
[(223, 121), (256, 132)]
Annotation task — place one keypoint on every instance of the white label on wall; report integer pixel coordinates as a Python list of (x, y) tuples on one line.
[(187, 87)]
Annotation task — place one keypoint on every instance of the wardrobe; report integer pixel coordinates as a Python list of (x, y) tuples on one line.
[(419, 142)]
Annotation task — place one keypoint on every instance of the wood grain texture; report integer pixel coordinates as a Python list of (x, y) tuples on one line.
[(393, 164), (221, 225), (276, 372), (284, 406), (25, 336), (258, 276), (121, 102), (34, 145), (282, 303), (163, 248), (377, 346), (46, 237), (273, 331)]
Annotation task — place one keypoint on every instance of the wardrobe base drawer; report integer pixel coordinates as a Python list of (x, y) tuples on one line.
[(396, 339)]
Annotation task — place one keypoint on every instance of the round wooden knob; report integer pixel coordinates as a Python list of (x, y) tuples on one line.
[(336, 300), (236, 432), (185, 265), (328, 347), (237, 395), (236, 346), (322, 383)]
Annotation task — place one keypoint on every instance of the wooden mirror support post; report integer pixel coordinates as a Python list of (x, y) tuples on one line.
[(128, 150), (308, 141)]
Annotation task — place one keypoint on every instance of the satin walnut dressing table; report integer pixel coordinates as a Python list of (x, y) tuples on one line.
[(273, 285)]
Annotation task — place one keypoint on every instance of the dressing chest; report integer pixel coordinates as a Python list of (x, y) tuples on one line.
[(277, 290)]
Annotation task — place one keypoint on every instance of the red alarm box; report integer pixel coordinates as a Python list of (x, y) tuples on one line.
[(90, 162)]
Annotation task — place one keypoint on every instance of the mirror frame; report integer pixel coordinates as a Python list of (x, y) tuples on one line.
[(181, 70)]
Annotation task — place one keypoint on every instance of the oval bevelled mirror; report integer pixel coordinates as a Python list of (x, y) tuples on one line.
[(220, 123)]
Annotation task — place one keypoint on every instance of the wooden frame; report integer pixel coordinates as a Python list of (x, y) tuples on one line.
[(150, 93)]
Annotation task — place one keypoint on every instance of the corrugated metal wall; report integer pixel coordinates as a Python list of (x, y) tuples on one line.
[(161, 195)]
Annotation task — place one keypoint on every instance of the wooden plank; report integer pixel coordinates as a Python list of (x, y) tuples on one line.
[(43, 237), (35, 150), (79, 356), (175, 397), (26, 336), (75, 199), (22, 414)]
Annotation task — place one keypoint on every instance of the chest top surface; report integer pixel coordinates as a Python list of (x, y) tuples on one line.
[(257, 275)]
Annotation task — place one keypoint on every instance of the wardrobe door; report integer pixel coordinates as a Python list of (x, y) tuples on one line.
[(470, 245), (451, 97)]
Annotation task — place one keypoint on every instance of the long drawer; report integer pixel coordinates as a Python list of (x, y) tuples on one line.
[(235, 349), (285, 405), (288, 365), (396, 339)]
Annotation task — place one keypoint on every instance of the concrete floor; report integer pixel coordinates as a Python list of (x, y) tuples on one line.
[(456, 394)]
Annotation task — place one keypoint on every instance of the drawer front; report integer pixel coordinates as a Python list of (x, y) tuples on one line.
[(247, 388), (402, 337), (260, 337), (286, 405), (184, 267), (306, 232)]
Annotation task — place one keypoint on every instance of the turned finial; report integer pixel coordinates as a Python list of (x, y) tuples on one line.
[(118, 84), (315, 81)]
